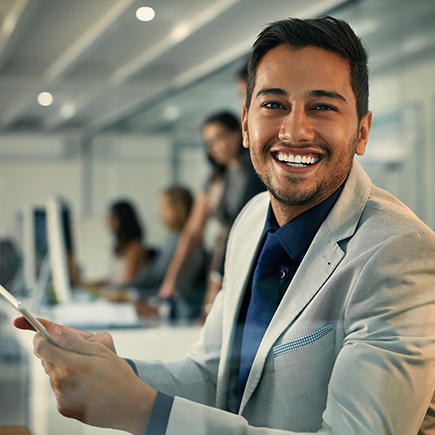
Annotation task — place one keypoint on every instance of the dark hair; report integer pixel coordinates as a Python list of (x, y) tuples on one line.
[(226, 119), (231, 123), (181, 201), (327, 33), (242, 74), (129, 228)]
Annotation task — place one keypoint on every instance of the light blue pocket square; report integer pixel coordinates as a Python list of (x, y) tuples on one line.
[(302, 342)]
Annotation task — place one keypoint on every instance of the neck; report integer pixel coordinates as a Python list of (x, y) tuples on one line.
[(286, 213), (233, 163)]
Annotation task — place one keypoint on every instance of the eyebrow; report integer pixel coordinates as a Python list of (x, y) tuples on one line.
[(316, 93), (271, 91), (327, 94)]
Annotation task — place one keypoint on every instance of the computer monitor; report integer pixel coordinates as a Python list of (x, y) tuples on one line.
[(34, 244), (75, 311), (60, 246)]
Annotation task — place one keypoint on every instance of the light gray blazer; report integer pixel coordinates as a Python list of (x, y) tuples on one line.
[(351, 348)]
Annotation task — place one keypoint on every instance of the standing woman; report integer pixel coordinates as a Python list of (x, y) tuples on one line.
[(231, 184), (129, 254)]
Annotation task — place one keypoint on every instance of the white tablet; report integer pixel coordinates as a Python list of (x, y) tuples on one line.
[(27, 314)]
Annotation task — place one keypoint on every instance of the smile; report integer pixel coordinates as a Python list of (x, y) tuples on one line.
[(297, 161)]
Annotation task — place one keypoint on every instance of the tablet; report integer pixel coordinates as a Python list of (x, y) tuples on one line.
[(26, 314)]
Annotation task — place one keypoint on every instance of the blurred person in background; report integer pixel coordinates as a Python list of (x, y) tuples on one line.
[(129, 253), (175, 207), (231, 184), (242, 82)]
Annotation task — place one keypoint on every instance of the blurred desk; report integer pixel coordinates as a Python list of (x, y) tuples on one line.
[(165, 343), (14, 430)]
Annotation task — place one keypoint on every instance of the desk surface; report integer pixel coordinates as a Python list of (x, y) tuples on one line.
[(163, 343), (14, 430)]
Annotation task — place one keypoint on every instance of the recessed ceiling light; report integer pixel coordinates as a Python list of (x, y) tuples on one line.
[(67, 111), (171, 113), (145, 14), (45, 99)]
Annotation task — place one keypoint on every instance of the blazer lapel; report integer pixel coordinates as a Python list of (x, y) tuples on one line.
[(320, 261), (245, 241)]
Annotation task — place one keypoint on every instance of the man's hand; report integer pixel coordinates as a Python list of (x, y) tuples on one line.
[(100, 337), (91, 383)]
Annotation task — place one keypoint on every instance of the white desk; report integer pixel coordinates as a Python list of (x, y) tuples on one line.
[(163, 343)]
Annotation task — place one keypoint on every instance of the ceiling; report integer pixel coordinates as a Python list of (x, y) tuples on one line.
[(106, 69)]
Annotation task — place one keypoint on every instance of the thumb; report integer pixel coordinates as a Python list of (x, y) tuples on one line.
[(74, 343), (104, 338)]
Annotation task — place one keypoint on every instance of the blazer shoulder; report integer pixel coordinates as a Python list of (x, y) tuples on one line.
[(393, 214), (254, 209), (250, 222)]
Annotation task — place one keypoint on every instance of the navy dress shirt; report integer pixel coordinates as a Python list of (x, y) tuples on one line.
[(295, 237)]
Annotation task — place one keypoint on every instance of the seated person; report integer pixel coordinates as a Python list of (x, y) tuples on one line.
[(175, 207), (129, 254)]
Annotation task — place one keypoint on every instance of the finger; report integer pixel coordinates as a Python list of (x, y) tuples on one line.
[(56, 355), (40, 346), (104, 338), (75, 343), (22, 323), (53, 327), (48, 366)]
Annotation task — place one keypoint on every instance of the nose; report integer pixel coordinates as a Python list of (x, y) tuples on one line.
[(296, 127)]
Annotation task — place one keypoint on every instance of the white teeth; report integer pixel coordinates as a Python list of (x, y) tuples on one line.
[(299, 161)]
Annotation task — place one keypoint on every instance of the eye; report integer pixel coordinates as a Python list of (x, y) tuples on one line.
[(324, 107), (273, 105)]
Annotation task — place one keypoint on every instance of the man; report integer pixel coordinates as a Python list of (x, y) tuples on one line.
[(343, 342)]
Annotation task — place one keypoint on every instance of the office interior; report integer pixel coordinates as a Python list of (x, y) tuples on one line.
[(128, 100)]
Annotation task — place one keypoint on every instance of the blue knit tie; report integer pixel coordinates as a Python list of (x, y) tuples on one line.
[(263, 303)]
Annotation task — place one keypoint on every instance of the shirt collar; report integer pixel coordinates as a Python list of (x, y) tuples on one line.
[(297, 235)]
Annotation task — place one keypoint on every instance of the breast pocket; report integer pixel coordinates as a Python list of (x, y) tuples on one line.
[(296, 376), (303, 349)]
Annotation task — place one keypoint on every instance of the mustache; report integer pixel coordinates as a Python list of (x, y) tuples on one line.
[(322, 148)]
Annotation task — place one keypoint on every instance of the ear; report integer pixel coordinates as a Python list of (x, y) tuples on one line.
[(245, 127), (363, 135)]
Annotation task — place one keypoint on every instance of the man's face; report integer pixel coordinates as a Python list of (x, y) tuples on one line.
[(302, 126)]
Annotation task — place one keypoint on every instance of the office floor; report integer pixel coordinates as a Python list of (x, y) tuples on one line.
[(14, 378)]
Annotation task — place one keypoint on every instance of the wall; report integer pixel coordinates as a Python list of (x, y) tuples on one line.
[(129, 167), (34, 167), (410, 89)]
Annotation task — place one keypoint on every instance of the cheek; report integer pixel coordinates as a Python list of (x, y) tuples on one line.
[(167, 217), (215, 151), (261, 133), (338, 139)]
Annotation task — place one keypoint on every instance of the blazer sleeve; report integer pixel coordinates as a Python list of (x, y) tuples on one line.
[(195, 376)]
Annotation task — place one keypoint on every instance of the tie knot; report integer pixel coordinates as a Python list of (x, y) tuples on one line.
[(272, 254)]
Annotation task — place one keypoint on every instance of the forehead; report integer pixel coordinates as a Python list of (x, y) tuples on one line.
[(307, 68), (212, 129)]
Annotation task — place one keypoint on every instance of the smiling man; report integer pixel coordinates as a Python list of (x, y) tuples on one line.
[(302, 126), (326, 320)]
